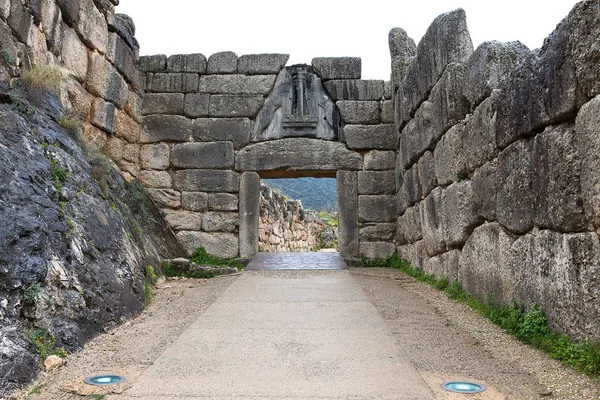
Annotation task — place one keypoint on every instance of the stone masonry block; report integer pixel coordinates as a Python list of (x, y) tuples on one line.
[(198, 180), (156, 63), (236, 130), (409, 226), (4, 9), (91, 26), (183, 220), (20, 21), (217, 155), (155, 156), (355, 89), (381, 232), (378, 160), (235, 105), (249, 214), (194, 63), (485, 186), (377, 250), (74, 54), (359, 112), (70, 11), (431, 211), (370, 137), (259, 64), (458, 213), (426, 173), (224, 245), (156, 179), (387, 112), (165, 197), (587, 142), (237, 84), (376, 182), (374, 208), (103, 80), (122, 57), (168, 128), (163, 103), (218, 221), (222, 202), (337, 67), (103, 115), (224, 62), (348, 231), (194, 201), (196, 105), (172, 83)]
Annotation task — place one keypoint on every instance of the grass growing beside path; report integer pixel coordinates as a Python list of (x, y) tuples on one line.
[(529, 326)]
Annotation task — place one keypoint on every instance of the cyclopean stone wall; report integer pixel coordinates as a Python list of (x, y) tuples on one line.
[(498, 152), (199, 115)]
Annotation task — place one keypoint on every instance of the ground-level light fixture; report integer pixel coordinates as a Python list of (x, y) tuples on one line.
[(463, 387), (103, 380)]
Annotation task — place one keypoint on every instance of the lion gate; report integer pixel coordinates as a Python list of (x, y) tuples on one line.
[(213, 128)]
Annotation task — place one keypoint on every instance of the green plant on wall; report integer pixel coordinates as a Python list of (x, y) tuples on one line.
[(43, 76), (45, 343)]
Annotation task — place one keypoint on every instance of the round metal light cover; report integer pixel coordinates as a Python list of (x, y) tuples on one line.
[(103, 380), (463, 387)]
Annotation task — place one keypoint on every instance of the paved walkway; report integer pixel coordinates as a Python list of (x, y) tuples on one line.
[(296, 261), (285, 335)]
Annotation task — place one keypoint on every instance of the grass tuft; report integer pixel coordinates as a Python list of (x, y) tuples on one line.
[(71, 125), (43, 76), (201, 257)]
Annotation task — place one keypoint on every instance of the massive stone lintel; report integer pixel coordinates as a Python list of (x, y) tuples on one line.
[(298, 107)]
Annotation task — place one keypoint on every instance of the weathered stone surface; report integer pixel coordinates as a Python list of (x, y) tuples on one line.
[(432, 222), (458, 213), (103, 115), (224, 245), (165, 128), (296, 155), (172, 82), (156, 63), (91, 25), (411, 186), (258, 64), (355, 89), (359, 112), (378, 160), (388, 94), (237, 84), (198, 180), (194, 201), (409, 226), (4, 9), (556, 180), (217, 221), (52, 23), (155, 156), (426, 173), (401, 45), (126, 127), (387, 112), (450, 265), (103, 80), (338, 67), (133, 107), (20, 21), (376, 208), (587, 141), (449, 157), (165, 197), (74, 54), (478, 139), (70, 11), (236, 130), (193, 63), (485, 181), (446, 41), (490, 64), (163, 103), (377, 250), (516, 199), (348, 231), (217, 155), (384, 232), (122, 57), (131, 152), (155, 179), (399, 66), (224, 62), (484, 269), (223, 202), (249, 214), (376, 182), (183, 220), (414, 253), (369, 137), (114, 148), (196, 105), (235, 105)]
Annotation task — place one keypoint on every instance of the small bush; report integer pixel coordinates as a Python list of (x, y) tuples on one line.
[(59, 175), (31, 292), (45, 344), (147, 292), (71, 125), (45, 77), (151, 276), (201, 257)]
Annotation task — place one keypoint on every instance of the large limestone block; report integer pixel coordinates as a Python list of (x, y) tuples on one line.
[(103, 80), (376, 182), (249, 214), (236, 130), (126, 127), (52, 24), (449, 156), (556, 182), (414, 253), (484, 268), (355, 89), (411, 186), (163, 103), (485, 186), (196, 105), (74, 54), (378, 232), (194, 201), (91, 25), (450, 265), (122, 57), (133, 107), (20, 21), (478, 140), (218, 221), (235, 105), (165, 128), (458, 213), (426, 173), (446, 41), (587, 142), (259, 64), (172, 83), (165, 197), (237, 84), (223, 201), (70, 11), (199, 180), (377, 160), (409, 228), (180, 220), (192, 63), (224, 245), (155, 156), (377, 250), (516, 199), (337, 67), (387, 112), (103, 115), (155, 63), (400, 44), (370, 137), (359, 112), (4, 9), (348, 231), (374, 208), (217, 155), (432, 222), (156, 179), (490, 64), (224, 62), (297, 154)]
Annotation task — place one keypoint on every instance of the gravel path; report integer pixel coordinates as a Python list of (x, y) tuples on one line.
[(443, 339)]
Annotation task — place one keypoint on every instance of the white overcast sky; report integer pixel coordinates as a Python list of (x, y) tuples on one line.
[(326, 28)]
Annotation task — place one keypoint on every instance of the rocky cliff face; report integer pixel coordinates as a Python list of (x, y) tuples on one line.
[(75, 237)]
